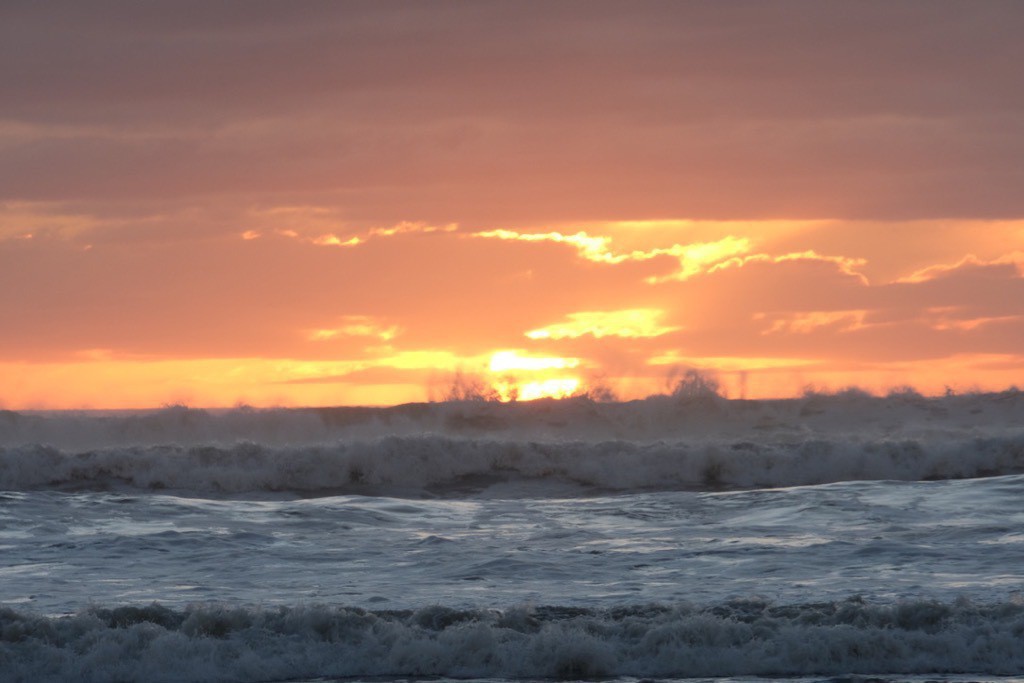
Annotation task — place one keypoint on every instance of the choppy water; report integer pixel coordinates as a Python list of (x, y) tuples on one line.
[(823, 538)]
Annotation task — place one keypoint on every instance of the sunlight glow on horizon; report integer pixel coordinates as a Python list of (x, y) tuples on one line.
[(375, 220), (381, 359), (562, 387), (220, 383), (784, 312), (511, 360)]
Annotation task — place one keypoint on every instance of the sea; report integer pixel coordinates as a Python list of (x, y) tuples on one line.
[(836, 537)]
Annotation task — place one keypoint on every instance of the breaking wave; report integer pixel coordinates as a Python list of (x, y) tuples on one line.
[(736, 638), (446, 466), (577, 445)]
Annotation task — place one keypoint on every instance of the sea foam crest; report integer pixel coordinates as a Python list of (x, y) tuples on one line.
[(652, 419), (736, 638), (443, 465), (450, 448)]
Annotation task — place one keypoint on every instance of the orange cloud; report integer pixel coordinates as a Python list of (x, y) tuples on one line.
[(693, 258), (807, 322), (730, 364), (412, 302), (696, 190), (332, 240), (1015, 259), (24, 220), (846, 265), (590, 247), (404, 228), (940, 319), (633, 322), (356, 326), (326, 226)]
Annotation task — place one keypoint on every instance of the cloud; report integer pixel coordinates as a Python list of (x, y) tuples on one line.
[(590, 247), (331, 240), (23, 220), (227, 296), (403, 228), (357, 326), (822, 310), (693, 258), (846, 265), (943, 318), (408, 303), (732, 363), (326, 226), (806, 322), (1014, 260), (585, 111), (441, 288), (633, 322), (360, 181)]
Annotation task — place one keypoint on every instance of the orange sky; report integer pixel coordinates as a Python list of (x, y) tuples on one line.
[(319, 203)]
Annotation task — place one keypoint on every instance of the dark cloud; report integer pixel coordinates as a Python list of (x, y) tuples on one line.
[(492, 111)]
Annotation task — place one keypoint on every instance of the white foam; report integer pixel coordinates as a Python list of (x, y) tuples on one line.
[(652, 419), (737, 638), (659, 443)]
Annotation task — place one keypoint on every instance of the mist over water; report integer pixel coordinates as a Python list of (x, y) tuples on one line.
[(830, 536)]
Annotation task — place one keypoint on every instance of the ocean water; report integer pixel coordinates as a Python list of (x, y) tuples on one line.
[(841, 538)]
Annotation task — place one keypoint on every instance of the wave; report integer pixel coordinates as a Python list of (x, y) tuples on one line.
[(568, 446), (652, 419), (436, 465), (736, 638)]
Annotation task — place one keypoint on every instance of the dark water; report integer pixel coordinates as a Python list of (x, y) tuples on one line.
[(842, 539)]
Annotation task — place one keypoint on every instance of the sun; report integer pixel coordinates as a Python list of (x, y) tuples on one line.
[(558, 387), (515, 376)]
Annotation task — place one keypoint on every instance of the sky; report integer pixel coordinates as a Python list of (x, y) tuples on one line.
[(325, 203)]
